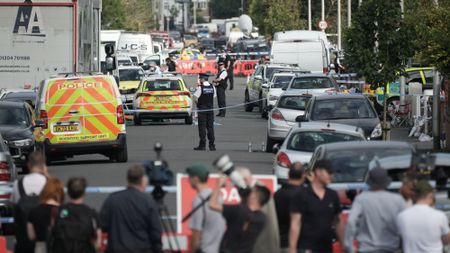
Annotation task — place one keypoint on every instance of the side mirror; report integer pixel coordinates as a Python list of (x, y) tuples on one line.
[(110, 63), (276, 148), (145, 66), (301, 118), (265, 85), (192, 89), (284, 87), (38, 123), (258, 77)]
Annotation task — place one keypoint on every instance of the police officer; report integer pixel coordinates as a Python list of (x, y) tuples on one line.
[(204, 97), (221, 85)]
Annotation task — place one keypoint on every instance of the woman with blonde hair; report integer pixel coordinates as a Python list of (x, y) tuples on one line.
[(42, 216)]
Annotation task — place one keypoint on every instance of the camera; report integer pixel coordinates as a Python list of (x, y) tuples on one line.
[(158, 170), (226, 166)]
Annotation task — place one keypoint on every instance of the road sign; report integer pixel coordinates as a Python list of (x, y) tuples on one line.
[(323, 25), (230, 195)]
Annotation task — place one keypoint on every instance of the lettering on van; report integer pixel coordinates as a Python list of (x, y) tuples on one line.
[(66, 86), (29, 22), (133, 46)]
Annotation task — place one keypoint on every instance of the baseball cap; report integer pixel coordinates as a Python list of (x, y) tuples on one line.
[(221, 63), (203, 75), (198, 170)]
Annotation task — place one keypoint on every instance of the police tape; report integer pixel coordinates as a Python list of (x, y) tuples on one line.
[(242, 54), (101, 189), (132, 111)]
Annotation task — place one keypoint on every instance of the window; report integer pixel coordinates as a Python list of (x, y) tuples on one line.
[(429, 76), (281, 81), (308, 141), (342, 109), (13, 117), (312, 83), (413, 76), (160, 85), (293, 102), (130, 74)]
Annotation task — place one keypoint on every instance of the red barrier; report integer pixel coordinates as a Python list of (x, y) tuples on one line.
[(3, 248), (244, 68)]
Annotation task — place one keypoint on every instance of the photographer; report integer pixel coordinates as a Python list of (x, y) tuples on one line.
[(244, 221)]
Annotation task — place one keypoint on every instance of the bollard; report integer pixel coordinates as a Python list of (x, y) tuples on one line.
[(250, 147)]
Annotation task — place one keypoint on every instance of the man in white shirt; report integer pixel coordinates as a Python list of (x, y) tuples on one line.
[(423, 228)]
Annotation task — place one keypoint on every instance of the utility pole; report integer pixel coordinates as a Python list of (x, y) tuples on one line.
[(323, 10), (402, 76), (349, 13), (195, 12), (309, 16), (339, 25), (436, 115)]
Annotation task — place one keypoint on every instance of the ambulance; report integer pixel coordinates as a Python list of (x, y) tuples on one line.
[(79, 115)]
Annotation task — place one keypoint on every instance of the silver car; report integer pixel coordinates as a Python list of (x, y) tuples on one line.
[(283, 116), (303, 139), (313, 84)]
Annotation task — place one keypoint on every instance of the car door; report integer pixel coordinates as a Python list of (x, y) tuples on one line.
[(256, 83)]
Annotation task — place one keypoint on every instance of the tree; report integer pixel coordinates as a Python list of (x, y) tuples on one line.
[(113, 14), (225, 8), (282, 17), (378, 44), (258, 12)]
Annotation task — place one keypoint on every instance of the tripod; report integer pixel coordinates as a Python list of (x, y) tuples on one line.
[(168, 227)]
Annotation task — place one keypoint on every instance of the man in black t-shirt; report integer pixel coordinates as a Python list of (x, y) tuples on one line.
[(244, 221), (315, 212), (76, 228)]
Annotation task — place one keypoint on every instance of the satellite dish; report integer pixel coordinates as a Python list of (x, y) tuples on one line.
[(245, 24)]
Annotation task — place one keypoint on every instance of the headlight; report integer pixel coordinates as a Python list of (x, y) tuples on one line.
[(22, 143), (377, 132), (273, 98)]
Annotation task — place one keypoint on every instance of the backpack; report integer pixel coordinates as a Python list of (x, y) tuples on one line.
[(22, 210), (71, 232)]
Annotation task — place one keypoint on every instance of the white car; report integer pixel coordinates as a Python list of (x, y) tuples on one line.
[(313, 84), (274, 89), (303, 139), (283, 116)]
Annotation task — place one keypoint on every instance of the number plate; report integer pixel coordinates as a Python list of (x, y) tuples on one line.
[(65, 128)]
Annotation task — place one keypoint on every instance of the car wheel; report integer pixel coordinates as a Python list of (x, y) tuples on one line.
[(188, 120), (265, 111), (122, 155), (248, 105), (137, 120), (269, 144)]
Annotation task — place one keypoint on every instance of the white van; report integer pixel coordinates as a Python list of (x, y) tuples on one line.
[(135, 44), (310, 50), (108, 37)]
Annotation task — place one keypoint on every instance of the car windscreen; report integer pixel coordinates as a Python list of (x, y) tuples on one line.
[(14, 117), (281, 81), (293, 102), (331, 109), (312, 82), (130, 74), (351, 165), (29, 97), (308, 141), (161, 85)]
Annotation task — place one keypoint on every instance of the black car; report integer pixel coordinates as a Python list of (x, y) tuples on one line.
[(16, 127), (354, 110), (28, 96)]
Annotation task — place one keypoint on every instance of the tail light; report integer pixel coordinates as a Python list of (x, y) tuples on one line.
[(276, 114), (283, 160), (5, 173), (184, 93), (325, 70), (120, 115), (44, 118)]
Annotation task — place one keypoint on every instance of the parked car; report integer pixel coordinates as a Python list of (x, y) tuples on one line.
[(17, 127), (190, 40), (354, 110), (303, 139), (20, 95), (8, 174), (283, 116), (350, 162), (130, 77), (313, 84), (254, 90)]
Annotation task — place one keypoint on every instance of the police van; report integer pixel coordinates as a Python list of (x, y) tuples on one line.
[(79, 115)]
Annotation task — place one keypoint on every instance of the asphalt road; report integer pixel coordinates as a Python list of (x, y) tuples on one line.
[(233, 134)]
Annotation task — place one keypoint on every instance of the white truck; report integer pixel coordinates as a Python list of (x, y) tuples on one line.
[(42, 38), (309, 50), (135, 45)]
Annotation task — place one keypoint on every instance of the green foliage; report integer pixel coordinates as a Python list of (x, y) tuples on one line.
[(282, 17), (432, 29), (378, 43), (113, 14), (225, 8), (258, 10)]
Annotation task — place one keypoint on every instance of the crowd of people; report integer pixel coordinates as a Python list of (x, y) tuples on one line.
[(304, 215)]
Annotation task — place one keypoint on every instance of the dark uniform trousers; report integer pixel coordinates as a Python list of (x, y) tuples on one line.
[(231, 77), (206, 124)]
